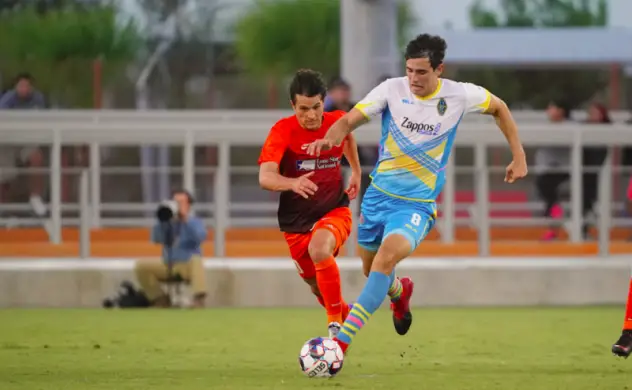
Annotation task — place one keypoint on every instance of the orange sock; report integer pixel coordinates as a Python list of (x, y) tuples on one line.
[(345, 311), (346, 308), (627, 323), (328, 280)]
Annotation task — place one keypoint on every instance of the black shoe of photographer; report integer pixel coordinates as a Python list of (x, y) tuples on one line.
[(198, 301), (162, 302), (108, 303)]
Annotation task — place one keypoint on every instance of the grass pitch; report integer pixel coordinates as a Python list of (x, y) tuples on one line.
[(240, 349)]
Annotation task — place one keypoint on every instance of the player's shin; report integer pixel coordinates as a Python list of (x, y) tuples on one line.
[(346, 307), (313, 285), (627, 322), (370, 299), (328, 279), (623, 346), (395, 290)]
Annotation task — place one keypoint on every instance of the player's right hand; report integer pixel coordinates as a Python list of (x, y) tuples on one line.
[(319, 145), (303, 186)]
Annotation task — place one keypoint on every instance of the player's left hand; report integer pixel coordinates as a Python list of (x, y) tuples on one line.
[(516, 170), (354, 186)]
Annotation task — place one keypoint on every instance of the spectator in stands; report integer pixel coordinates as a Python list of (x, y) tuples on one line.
[(547, 161), (23, 96), (181, 234), (593, 157), (338, 95), (552, 158)]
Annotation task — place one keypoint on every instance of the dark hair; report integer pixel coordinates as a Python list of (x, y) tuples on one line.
[(308, 83), (563, 105), (23, 76), (428, 46), (189, 196)]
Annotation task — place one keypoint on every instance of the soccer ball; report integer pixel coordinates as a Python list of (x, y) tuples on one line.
[(321, 357)]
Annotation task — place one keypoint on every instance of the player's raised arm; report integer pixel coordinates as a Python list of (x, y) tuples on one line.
[(338, 131), (517, 169), (373, 104), (345, 125), (481, 100), (350, 151)]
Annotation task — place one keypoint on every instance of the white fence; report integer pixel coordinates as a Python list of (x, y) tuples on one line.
[(249, 128)]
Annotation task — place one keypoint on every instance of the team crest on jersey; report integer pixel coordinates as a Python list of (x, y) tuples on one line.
[(442, 106)]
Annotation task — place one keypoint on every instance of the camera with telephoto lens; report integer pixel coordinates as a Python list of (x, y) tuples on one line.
[(167, 210)]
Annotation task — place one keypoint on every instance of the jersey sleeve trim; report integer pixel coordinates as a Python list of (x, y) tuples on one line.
[(362, 108), (375, 101), (488, 99)]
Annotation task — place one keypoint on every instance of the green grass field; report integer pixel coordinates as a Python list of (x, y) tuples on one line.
[(472, 349)]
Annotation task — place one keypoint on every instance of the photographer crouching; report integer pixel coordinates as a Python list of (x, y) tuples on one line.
[(181, 235)]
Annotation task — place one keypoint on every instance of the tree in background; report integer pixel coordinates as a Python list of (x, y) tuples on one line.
[(536, 87), (277, 37), (182, 33), (58, 42), (6, 4)]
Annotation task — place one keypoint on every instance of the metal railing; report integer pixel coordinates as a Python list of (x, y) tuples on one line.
[(249, 128)]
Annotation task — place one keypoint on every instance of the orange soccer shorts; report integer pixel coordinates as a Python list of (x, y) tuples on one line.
[(337, 221)]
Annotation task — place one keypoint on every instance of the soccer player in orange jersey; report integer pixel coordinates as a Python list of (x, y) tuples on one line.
[(623, 346), (313, 210)]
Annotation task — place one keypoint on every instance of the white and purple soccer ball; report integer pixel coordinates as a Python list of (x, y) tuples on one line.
[(321, 357)]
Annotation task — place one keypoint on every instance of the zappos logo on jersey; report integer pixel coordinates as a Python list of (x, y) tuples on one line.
[(421, 128)]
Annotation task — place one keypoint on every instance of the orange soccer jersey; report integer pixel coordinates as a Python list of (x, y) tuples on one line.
[(328, 208)]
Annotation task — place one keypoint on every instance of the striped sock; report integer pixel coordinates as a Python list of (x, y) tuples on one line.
[(395, 291), (369, 301), (346, 309)]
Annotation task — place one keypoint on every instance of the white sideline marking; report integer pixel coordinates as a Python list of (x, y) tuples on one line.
[(284, 264)]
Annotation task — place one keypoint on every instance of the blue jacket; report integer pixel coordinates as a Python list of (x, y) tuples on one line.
[(188, 237), (11, 100)]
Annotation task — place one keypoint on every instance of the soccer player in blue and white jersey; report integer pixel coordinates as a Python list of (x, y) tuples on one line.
[(420, 115)]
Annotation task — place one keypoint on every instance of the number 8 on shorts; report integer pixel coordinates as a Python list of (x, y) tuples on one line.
[(416, 219)]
